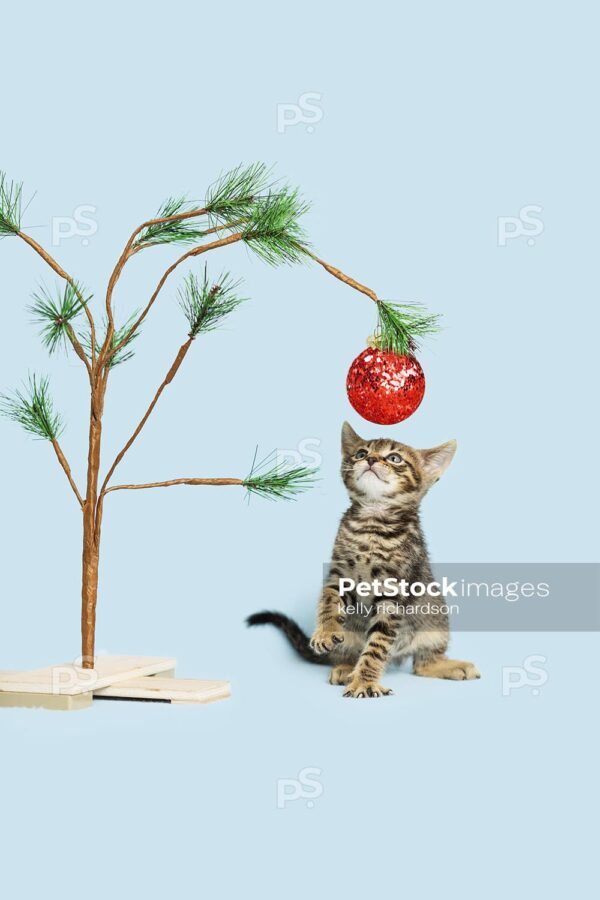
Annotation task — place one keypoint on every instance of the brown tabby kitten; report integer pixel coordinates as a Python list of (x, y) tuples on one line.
[(379, 537)]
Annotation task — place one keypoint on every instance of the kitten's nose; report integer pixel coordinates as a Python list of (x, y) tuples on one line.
[(371, 460)]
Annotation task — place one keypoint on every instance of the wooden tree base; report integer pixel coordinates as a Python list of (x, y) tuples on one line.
[(68, 686)]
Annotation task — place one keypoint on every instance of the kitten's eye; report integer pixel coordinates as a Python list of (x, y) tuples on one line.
[(360, 455), (394, 458)]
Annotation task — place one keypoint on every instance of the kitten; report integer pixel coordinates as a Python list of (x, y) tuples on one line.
[(379, 537)]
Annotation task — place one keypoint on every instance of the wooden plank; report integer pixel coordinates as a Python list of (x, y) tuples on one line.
[(175, 690), (69, 679), (30, 700)]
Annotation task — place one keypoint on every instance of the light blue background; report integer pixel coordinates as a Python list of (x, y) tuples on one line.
[(437, 119)]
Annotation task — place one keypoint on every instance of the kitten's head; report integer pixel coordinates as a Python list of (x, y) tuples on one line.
[(385, 473)]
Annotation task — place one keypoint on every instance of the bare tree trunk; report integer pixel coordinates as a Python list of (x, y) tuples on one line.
[(91, 533), (89, 593)]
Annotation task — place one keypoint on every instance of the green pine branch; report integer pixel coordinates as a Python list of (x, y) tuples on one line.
[(178, 231), (274, 232), (233, 194), (400, 326), (228, 199), (125, 352), (205, 305), (273, 481), (241, 198), (269, 215), (55, 313), (32, 408), (11, 195)]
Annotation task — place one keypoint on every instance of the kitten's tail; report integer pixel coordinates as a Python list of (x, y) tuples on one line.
[(292, 631)]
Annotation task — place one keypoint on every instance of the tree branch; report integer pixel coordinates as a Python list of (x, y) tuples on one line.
[(65, 275), (67, 469), (195, 251), (177, 217), (77, 347), (127, 253), (195, 481), (167, 380), (341, 276), (215, 228)]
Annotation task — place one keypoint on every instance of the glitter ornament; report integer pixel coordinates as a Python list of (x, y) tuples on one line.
[(385, 387)]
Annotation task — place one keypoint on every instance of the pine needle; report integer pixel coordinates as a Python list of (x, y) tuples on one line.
[(273, 481), (125, 352), (401, 324), (274, 232), (55, 313), (233, 195), (11, 195), (178, 231), (242, 197), (205, 305), (32, 408)]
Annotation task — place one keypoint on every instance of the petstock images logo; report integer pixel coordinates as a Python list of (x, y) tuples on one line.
[(518, 597)]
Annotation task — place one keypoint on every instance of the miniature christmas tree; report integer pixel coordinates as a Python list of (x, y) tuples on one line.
[(241, 207)]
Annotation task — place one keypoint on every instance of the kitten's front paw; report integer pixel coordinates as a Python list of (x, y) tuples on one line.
[(359, 688), (324, 641)]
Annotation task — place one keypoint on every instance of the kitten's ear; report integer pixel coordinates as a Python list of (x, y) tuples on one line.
[(350, 439), (437, 460)]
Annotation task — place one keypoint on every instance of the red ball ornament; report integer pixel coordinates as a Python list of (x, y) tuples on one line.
[(384, 387)]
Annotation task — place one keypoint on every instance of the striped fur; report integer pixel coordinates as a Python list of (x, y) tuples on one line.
[(379, 537)]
